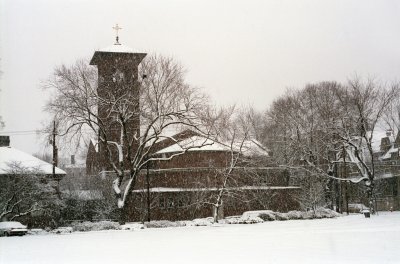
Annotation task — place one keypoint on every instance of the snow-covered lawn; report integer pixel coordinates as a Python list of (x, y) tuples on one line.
[(348, 239)]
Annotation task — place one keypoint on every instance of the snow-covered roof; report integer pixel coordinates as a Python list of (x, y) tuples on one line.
[(119, 48), (253, 148), (165, 189), (194, 143), (27, 163), (377, 138), (200, 143), (388, 154)]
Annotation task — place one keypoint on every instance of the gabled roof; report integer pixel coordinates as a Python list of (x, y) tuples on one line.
[(388, 154), (171, 137), (118, 50), (25, 163), (194, 143), (202, 143)]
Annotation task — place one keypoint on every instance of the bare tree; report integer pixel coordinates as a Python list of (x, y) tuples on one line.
[(311, 127), (230, 179), (25, 191), (364, 105), (163, 102)]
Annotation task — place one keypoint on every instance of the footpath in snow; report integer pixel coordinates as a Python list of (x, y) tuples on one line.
[(347, 239)]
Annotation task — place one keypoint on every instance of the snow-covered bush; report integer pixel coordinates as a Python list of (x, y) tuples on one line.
[(163, 224), (230, 220), (62, 230), (326, 213), (95, 226), (252, 217), (309, 215), (281, 216), (267, 215), (203, 221), (294, 215), (132, 226)]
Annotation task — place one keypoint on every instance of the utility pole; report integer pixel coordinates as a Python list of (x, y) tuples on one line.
[(346, 184), (55, 158), (55, 150), (148, 191)]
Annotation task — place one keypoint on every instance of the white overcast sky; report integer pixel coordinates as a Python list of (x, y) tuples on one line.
[(246, 52)]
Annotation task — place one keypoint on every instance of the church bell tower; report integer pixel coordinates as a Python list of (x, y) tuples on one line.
[(117, 79)]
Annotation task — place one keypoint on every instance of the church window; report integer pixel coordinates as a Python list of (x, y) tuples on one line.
[(118, 76), (181, 202), (266, 180), (170, 202), (161, 202)]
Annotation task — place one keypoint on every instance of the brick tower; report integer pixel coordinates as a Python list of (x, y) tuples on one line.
[(117, 79)]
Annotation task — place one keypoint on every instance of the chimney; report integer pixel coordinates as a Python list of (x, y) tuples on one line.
[(72, 159), (4, 141)]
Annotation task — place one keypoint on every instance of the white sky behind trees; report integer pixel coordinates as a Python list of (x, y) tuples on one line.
[(246, 52)]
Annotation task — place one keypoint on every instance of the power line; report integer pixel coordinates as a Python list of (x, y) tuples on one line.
[(22, 133), (29, 132)]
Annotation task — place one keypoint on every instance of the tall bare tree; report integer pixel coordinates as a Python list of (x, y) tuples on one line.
[(310, 127), (230, 178), (164, 102)]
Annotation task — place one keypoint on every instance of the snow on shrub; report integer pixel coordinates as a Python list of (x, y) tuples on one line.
[(203, 221), (267, 215), (317, 214), (162, 224), (251, 217), (230, 220), (132, 226), (294, 215), (62, 230), (309, 215), (95, 226), (326, 213), (281, 216)]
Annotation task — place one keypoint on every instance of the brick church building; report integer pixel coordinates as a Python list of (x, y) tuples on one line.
[(186, 186)]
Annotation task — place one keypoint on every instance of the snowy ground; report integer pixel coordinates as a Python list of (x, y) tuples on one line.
[(348, 239)]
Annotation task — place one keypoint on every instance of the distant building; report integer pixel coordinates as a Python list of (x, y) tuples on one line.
[(386, 194), (28, 183), (185, 186), (388, 173), (14, 161)]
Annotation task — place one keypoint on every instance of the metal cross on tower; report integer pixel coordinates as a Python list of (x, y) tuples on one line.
[(116, 28)]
